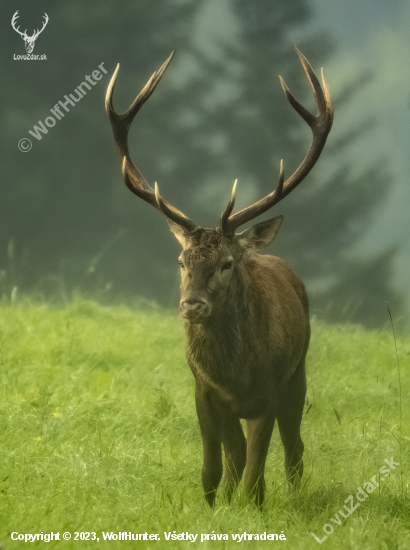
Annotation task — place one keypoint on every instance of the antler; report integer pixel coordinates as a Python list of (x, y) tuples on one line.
[(320, 126), (36, 33), (121, 123), (13, 24)]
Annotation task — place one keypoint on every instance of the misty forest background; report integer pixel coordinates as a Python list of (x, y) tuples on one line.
[(68, 223)]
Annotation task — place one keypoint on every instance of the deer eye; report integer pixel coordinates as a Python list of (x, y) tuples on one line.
[(227, 265), (181, 264)]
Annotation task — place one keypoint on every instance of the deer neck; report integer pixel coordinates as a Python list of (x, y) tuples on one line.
[(217, 346)]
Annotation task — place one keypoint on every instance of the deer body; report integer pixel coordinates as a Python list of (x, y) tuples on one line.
[(246, 316), (256, 340), (246, 345)]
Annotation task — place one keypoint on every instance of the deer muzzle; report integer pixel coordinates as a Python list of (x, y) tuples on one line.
[(195, 309)]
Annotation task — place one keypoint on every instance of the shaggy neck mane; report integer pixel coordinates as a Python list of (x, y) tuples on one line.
[(224, 340)]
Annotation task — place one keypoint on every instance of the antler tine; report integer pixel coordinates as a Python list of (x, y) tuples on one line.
[(320, 126), (173, 213), (121, 123), (279, 185), (228, 210)]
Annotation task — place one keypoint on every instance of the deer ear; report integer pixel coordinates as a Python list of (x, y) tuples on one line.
[(260, 235), (179, 232)]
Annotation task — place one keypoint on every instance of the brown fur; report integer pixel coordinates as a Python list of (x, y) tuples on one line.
[(247, 356)]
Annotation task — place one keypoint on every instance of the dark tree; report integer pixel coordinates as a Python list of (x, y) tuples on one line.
[(64, 207), (67, 220), (330, 212)]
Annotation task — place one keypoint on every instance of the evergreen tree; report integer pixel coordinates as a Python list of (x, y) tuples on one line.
[(328, 214), (65, 210)]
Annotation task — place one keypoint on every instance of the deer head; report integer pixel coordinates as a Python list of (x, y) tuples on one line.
[(30, 41), (212, 258)]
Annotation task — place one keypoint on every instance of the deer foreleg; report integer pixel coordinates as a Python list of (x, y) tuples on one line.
[(235, 453), (259, 432), (211, 431), (290, 410)]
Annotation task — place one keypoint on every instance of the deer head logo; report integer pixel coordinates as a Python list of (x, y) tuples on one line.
[(30, 41)]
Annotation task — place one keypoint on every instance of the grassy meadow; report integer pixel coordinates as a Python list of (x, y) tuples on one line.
[(98, 433)]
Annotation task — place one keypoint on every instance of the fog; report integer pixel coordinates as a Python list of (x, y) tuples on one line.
[(68, 222)]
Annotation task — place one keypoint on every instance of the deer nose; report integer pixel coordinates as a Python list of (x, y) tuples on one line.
[(192, 308)]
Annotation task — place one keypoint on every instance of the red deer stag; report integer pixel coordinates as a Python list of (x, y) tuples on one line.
[(246, 315)]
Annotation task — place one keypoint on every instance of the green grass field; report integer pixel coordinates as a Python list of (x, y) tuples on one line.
[(98, 433)]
